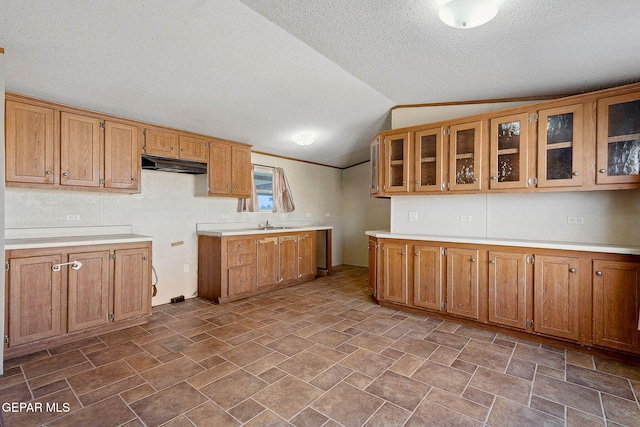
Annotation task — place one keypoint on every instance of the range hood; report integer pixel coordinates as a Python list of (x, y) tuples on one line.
[(173, 165)]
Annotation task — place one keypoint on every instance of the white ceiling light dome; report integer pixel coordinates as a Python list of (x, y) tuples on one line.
[(305, 138), (468, 13)]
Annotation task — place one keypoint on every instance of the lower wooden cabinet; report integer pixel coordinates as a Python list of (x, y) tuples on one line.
[(233, 267), (588, 298), (59, 295)]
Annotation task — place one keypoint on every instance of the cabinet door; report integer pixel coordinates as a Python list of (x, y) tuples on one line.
[(508, 289), (616, 302), (288, 247), (465, 156), (131, 284), (395, 281), (396, 161), (427, 277), (122, 169), (560, 146), (373, 266), (556, 296), (509, 151), (192, 148), (88, 291), (160, 143), (219, 169), (618, 144), (80, 159), (241, 279), (268, 261), (307, 255), (30, 143), (35, 304), (241, 172), (374, 171), (429, 160), (462, 282)]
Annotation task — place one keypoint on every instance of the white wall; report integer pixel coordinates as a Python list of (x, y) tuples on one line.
[(610, 217), (361, 213), (167, 210)]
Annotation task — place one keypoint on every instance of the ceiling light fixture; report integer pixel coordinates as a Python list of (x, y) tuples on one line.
[(468, 13), (304, 138)]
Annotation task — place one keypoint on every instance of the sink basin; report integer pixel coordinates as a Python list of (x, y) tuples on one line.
[(271, 227)]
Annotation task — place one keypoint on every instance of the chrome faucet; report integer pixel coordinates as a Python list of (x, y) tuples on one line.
[(266, 225)]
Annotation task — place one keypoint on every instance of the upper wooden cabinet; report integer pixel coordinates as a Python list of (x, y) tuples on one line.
[(229, 170), (509, 146), (560, 146), (618, 140), (583, 142), (53, 148), (375, 175), (176, 145)]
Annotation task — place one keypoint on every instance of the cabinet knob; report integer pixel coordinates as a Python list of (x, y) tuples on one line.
[(417, 182), (404, 182), (576, 173), (48, 172), (134, 179), (572, 270), (598, 273), (402, 253), (473, 260), (173, 148), (493, 261), (235, 186), (228, 186), (65, 173), (144, 258), (182, 150), (602, 170), (495, 178), (241, 259), (476, 179)]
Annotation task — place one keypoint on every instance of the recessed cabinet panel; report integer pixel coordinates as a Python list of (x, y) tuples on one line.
[(396, 157), (395, 269), (429, 160), (509, 149), (122, 169), (79, 150), (508, 289), (463, 282), (465, 156), (30, 144), (131, 285), (556, 288), (268, 261), (616, 301), (160, 143), (288, 258), (619, 139), (427, 277), (375, 169), (560, 146), (192, 148), (88, 291)]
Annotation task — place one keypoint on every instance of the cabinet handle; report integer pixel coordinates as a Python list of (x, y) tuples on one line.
[(134, 179), (173, 148), (402, 253), (235, 186), (75, 265), (145, 258), (473, 260), (476, 179), (493, 261), (241, 259), (65, 173), (602, 171), (576, 173), (417, 182), (572, 270), (598, 273), (228, 186), (182, 150), (404, 182), (48, 172), (495, 178)]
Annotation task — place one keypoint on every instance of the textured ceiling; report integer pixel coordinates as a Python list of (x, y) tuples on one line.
[(259, 71)]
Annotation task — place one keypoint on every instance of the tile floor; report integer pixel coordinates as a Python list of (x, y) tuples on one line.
[(319, 354)]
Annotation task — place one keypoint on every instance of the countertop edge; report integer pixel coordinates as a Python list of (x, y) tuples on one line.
[(571, 246), (245, 232), (56, 242)]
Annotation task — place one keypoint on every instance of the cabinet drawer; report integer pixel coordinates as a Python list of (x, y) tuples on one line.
[(234, 260), (240, 245)]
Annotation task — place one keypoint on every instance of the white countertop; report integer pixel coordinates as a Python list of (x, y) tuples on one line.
[(570, 246), (251, 231), (33, 238)]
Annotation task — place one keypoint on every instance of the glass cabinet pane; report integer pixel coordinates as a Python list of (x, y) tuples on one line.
[(374, 174), (559, 146), (396, 162), (623, 139), (509, 151), (428, 160), (509, 147), (465, 146)]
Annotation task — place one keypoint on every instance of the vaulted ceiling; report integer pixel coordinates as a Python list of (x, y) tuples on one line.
[(260, 71)]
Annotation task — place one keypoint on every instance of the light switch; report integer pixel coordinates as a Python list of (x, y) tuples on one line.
[(413, 216)]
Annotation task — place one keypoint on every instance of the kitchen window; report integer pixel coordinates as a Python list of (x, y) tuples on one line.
[(263, 184)]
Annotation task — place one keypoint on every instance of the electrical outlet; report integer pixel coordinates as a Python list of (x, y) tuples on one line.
[(226, 216), (186, 268), (308, 215), (327, 215), (465, 218), (413, 216), (575, 220), (72, 217)]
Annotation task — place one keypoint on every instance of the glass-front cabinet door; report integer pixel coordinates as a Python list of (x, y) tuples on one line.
[(396, 160), (509, 148), (429, 159), (560, 146), (465, 149), (374, 173), (618, 146)]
